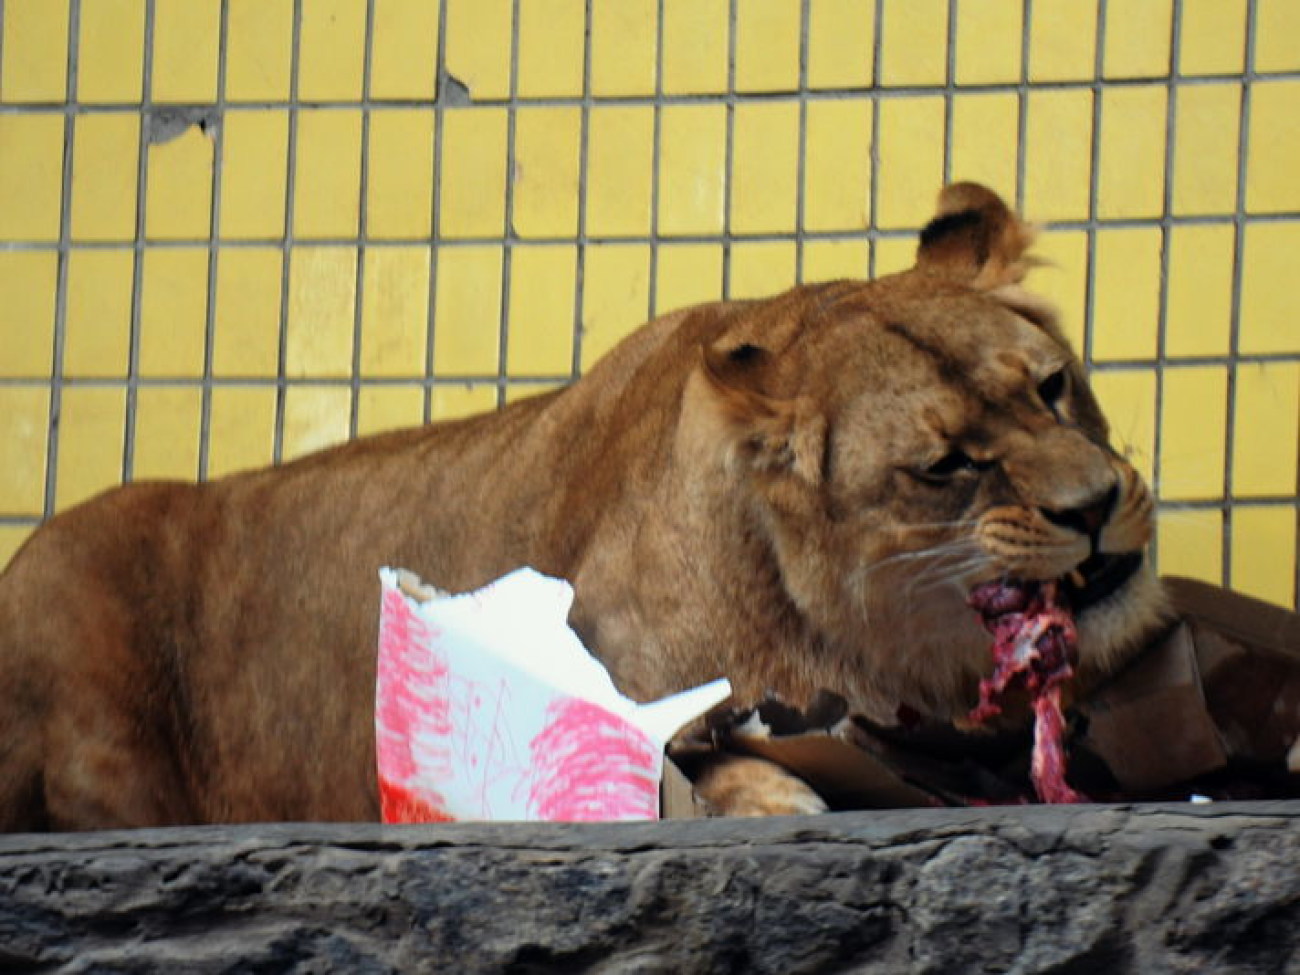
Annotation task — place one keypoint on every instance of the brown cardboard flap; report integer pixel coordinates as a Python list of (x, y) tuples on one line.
[(841, 772), (1212, 706), (1222, 686), (677, 798), (1248, 652), (1253, 695), (1250, 622), (1151, 725)]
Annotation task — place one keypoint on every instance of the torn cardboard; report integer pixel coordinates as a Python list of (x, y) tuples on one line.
[(1248, 653), (1222, 689), (1212, 707), (1151, 727), (488, 707)]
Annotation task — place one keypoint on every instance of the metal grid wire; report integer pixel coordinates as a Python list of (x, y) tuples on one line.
[(451, 95)]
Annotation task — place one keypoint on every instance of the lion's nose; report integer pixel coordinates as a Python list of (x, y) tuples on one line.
[(1087, 519)]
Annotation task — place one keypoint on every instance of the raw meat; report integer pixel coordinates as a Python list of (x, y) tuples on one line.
[(1034, 643)]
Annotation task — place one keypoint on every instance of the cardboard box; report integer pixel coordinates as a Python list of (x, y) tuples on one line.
[(488, 706), (1212, 707)]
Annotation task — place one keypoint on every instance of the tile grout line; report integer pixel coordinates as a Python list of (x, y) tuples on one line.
[(251, 382), (696, 98), (214, 250), (509, 235), (1166, 243), (729, 147), (1022, 103), (950, 81), (584, 151), (653, 241), (896, 233), (63, 259), (177, 380), (801, 160), (138, 246), (20, 521), (440, 74), (1234, 323), (1216, 504), (363, 226), (1094, 179), (1271, 502), (848, 233), (873, 214), (287, 243), (1268, 502)]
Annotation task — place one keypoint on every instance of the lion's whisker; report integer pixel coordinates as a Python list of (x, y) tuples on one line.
[(941, 574), (936, 525), (950, 563), (957, 575), (940, 564), (933, 552)]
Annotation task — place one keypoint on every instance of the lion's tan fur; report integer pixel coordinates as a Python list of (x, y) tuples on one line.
[(734, 490)]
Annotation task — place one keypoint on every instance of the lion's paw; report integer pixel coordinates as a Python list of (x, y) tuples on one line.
[(737, 786)]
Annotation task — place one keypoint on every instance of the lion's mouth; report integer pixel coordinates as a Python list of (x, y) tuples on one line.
[(1098, 578)]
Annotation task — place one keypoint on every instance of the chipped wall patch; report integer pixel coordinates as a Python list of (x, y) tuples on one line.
[(163, 125), (452, 92)]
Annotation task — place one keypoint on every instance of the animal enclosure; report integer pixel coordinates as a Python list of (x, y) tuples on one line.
[(232, 231)]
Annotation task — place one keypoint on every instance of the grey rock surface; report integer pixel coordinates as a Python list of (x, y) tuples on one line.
[(1144, 889)]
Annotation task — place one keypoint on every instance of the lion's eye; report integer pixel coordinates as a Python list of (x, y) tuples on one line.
[(1051, 389), (953, 462)]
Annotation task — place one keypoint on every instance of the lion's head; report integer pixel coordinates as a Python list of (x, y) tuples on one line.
[(911, 437)]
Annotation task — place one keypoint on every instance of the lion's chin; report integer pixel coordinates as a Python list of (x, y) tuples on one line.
[(1118, 623), (937, 651), (1118, 605)]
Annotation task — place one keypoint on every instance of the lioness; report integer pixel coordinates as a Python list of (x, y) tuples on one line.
[(795, 493)]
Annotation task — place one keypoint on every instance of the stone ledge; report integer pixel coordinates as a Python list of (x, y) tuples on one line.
[(1067, 889)]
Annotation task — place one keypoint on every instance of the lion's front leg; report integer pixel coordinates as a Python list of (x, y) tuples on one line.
[(737, 786)]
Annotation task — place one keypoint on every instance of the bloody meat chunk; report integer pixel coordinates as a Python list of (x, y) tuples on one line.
[(1034, 642)]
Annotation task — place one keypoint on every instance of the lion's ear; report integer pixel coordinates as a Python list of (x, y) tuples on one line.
[(974, 238), (769, 432)]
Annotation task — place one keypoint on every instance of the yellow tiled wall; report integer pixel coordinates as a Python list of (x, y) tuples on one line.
[(235, 230)]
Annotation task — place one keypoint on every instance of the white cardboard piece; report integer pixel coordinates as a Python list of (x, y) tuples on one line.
[(488, 707)]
